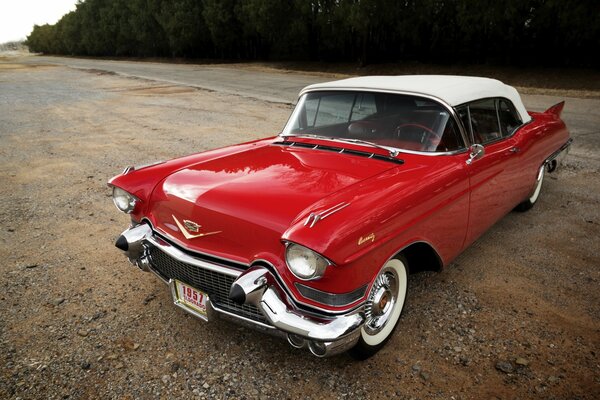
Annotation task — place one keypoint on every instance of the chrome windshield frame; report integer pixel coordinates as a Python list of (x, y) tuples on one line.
[(447, 106)]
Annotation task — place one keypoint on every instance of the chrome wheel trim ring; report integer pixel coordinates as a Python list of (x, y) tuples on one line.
[(380, 319), (382, 299)]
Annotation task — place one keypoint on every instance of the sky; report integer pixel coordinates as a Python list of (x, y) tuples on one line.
[(17, 17)]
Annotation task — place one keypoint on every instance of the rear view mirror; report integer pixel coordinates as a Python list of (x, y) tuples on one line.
[(476, 152)]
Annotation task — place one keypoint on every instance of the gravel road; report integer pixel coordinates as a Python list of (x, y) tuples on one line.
[(247, 80), (278, 88), (517, 315)]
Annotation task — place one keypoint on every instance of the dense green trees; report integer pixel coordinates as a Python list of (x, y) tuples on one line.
[(539, 32)]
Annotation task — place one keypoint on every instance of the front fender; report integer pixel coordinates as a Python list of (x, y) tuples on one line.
[(415, 203)]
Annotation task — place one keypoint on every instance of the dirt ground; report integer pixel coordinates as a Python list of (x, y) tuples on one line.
[(517, 315)]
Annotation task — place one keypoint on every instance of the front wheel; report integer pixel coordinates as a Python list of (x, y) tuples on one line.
[(530, 202), (383, 308)]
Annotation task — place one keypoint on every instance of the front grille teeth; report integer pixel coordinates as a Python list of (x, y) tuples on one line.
[(215, 284)]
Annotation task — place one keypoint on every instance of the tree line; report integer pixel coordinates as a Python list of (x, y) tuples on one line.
[(522, 32)]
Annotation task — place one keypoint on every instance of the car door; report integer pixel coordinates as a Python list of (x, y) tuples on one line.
[(492, 178)]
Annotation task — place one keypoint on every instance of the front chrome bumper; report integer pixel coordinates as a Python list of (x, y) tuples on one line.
[(257, 286)]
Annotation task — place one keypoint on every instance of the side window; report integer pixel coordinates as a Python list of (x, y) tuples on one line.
[(509, 120), (463, 114), (484, 121)]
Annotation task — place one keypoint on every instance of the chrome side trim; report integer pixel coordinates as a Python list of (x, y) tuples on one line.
[(557, 153), (313, 218)]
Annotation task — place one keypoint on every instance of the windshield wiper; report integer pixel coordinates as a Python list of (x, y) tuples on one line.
[(393, 152), (309, 135)]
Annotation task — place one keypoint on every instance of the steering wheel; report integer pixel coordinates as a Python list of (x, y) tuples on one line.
[(429, 137)]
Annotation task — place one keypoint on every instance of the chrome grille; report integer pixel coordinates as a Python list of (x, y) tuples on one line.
[(216, 285)]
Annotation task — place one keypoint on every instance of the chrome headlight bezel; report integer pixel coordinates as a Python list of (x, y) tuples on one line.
[(304, 263), (123, 200)]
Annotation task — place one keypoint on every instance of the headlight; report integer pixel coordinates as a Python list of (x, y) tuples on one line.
[(305, 263), (123, 200)]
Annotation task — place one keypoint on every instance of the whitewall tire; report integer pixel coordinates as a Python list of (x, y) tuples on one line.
[(530, 202), (383, 308)]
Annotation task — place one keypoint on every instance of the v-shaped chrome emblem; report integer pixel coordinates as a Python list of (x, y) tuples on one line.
[(192, 226)]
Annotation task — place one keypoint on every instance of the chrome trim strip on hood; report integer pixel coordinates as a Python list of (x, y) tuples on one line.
[(313, 218)]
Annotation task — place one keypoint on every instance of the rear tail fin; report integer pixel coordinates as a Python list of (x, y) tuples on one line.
[(556, 109)]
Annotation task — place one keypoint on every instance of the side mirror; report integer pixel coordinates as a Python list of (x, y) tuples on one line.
[(476, 152)]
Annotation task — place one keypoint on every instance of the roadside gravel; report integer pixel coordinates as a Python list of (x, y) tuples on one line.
[(517, 315)]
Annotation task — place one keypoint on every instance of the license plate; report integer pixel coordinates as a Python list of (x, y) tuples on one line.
[(189, 297)]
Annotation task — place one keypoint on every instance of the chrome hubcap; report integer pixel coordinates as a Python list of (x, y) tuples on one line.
[(381, 302)]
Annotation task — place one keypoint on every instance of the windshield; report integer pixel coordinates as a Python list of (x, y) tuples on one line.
[(392, 120)]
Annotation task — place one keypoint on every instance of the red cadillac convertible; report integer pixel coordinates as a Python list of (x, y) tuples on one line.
[(312, 233)]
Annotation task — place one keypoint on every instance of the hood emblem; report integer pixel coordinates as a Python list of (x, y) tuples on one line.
[(190, 226)]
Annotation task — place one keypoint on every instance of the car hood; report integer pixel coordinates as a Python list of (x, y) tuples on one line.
[(244, 202)]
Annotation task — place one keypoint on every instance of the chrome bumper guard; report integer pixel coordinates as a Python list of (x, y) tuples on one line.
[(324, 337), (259, 287), (558, 157)]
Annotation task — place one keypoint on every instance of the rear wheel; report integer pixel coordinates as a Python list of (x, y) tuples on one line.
[(528, 203), (383, 308)]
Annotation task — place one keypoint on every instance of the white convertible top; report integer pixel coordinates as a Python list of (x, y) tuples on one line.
[(452, 89)]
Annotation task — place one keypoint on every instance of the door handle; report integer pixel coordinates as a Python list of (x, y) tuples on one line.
[(515, 150)]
